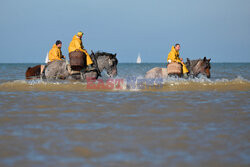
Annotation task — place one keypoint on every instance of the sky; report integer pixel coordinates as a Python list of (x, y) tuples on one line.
[(217, 29)]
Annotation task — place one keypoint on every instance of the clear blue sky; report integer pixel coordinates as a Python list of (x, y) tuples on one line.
[(218, 29)]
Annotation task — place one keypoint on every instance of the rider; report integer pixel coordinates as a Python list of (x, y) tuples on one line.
[(55, 53), (76, 44), (174, 56)]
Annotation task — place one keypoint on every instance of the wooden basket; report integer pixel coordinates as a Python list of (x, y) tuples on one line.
[(174, 68), (77, 58)]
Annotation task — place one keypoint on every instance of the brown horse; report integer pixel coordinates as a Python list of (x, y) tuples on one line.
[(200, 66), (195, 67), (33, 72)]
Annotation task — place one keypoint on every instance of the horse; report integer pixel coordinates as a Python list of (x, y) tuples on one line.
[(33, 72), (195, 67), (60, 69)]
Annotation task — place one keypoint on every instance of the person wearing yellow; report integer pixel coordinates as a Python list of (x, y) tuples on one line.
[(76, 45), (55, 53), (174, 56)]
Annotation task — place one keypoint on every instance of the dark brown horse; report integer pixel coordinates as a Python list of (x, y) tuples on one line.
[(200, 66), (33, 72)]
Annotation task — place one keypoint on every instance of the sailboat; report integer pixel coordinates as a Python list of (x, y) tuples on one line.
[(47, 58), (138, 61)]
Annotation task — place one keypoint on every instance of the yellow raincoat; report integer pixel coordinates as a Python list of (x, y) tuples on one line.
[(76, 44), (55, 53), (174, 57)]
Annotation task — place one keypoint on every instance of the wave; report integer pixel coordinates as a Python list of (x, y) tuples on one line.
[(131, 84)]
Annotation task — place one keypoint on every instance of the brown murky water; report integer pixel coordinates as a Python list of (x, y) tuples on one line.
[(182, 123)]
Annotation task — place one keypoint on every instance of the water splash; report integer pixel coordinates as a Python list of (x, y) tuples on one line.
[(131, 84)]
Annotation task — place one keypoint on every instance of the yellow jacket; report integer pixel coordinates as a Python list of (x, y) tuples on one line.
[(76, 44), (174, 55), (55, 53)]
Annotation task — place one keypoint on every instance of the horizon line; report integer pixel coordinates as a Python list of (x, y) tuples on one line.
[(119, 62)]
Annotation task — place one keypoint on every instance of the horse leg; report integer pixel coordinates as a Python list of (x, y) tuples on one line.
[(42, 68), (42, 71), (90, 76)]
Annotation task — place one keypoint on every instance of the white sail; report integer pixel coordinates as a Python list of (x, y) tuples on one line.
[(47, 58), (138, 59)]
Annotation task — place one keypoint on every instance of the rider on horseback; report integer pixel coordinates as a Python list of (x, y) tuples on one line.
[(55, 53), (76, 45), (174, 56)]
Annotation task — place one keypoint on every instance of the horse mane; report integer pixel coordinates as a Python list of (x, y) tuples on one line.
[(194, 62), (99, 54), (190, 64)]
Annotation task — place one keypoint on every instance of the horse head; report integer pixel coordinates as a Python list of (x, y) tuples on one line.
[(203, 67), (106, 61), (200, 66)]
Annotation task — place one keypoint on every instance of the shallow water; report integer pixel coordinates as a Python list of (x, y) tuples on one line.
[(195, 122)]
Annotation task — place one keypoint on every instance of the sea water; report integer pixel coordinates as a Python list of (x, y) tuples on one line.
[(168, 122)]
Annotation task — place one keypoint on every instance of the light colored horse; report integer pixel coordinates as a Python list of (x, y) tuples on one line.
[(195, 67)]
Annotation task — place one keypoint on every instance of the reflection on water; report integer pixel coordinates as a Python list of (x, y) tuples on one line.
[(196, 122)]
